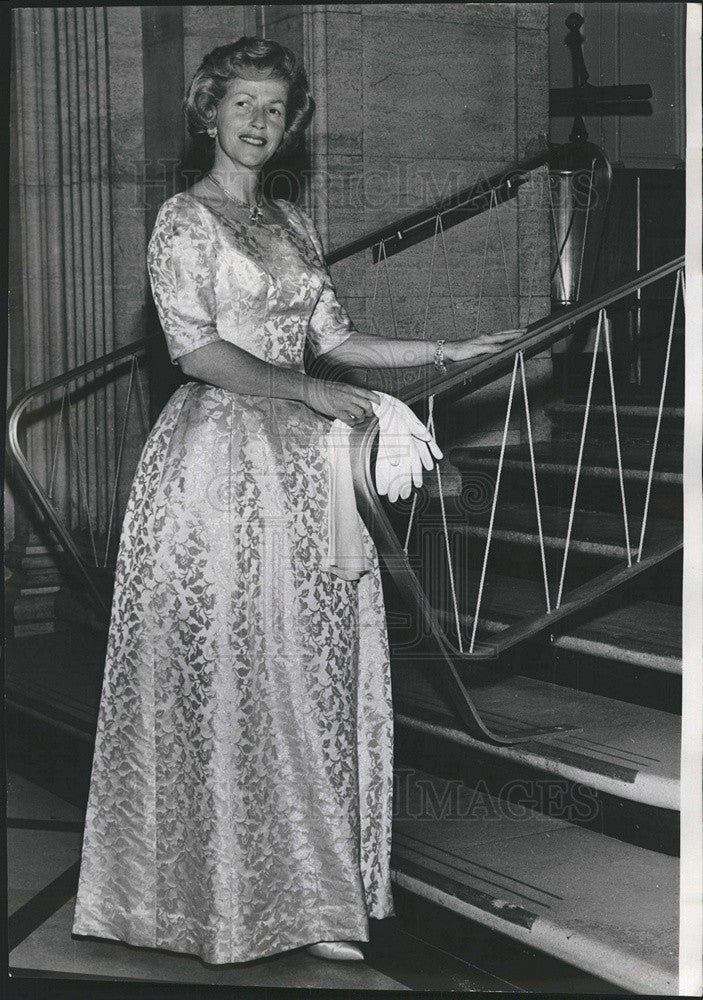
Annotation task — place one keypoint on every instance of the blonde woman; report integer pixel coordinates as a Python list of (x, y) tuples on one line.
[(241, 793)]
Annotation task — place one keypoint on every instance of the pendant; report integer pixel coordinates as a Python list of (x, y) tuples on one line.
[(256, 213)]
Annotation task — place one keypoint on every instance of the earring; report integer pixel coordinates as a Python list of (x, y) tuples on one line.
[(212, 131)]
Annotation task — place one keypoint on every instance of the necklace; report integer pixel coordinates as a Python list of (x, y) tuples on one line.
[(255, 210)]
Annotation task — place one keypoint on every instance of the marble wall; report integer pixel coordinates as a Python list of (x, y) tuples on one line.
[(423, 100), (417, 101)]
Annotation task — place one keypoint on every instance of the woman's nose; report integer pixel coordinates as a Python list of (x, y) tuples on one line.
[(257, 118)]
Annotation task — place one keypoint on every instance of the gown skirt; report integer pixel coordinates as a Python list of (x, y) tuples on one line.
[(241, 793)]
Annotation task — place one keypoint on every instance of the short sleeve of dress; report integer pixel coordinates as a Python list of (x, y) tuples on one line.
[(180, 259), (330, 324)]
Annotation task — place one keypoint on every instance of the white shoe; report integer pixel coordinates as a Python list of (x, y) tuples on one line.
[(340, 950)]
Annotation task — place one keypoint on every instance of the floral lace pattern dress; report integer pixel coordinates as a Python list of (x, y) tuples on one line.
[(241, 793)]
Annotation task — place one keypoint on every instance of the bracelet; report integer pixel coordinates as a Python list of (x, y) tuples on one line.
[(439, 358)]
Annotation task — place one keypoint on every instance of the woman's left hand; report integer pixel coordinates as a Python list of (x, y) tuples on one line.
[(486, 343)]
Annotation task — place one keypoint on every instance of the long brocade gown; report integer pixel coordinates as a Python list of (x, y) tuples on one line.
[(241, 794)]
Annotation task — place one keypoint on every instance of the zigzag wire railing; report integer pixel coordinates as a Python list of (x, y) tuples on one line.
[(459, 667), (461, 380), (94, 577), (468, 377)]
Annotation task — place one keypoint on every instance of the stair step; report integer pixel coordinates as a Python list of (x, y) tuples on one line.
[(631, 412), (559, 458), (593, 532), (505, 601), (551, 541), (636, 422), (643, 633), (66, 676), (620, 749), (606, 907)]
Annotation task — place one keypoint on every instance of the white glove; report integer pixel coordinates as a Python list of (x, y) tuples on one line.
[(405, 447)]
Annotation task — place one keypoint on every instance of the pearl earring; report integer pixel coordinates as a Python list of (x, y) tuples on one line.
[(212, 131)]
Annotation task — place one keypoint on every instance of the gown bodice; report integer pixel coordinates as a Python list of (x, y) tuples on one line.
[(263, 287)]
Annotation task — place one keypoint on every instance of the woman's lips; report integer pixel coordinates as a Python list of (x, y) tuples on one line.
[(253, 140)]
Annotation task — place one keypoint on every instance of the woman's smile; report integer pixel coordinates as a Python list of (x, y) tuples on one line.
[(251, 121)]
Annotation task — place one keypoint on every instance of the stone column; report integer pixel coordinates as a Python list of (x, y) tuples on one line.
[(63, 310)]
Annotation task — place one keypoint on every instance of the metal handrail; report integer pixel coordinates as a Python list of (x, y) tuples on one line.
[(539, 336), (461, 379), (464, 377), (64, 378), (455, 665), (16, 410), (456, 208)]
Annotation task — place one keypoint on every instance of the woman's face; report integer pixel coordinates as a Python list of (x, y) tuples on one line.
[(251, 120)]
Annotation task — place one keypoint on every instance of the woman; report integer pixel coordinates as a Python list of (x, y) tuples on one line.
[(241, 793)]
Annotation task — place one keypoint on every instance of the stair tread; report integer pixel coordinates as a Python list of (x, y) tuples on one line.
[(603, 905), (647, 633), (648, 628), (623, 749), (560, 456), (631, 410), (595, 530), (67, 670), (505, 599)]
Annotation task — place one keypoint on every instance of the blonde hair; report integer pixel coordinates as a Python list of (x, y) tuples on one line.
[(226, 62)]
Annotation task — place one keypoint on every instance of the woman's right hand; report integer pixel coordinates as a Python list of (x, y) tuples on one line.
[(339, 401), (485, 343)]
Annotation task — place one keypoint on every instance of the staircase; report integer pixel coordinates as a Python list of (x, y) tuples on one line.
[(566, 844)]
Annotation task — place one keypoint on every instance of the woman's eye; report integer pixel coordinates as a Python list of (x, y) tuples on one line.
[(275, 111)]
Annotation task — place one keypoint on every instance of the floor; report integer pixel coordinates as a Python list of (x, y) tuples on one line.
[(44, 838)]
